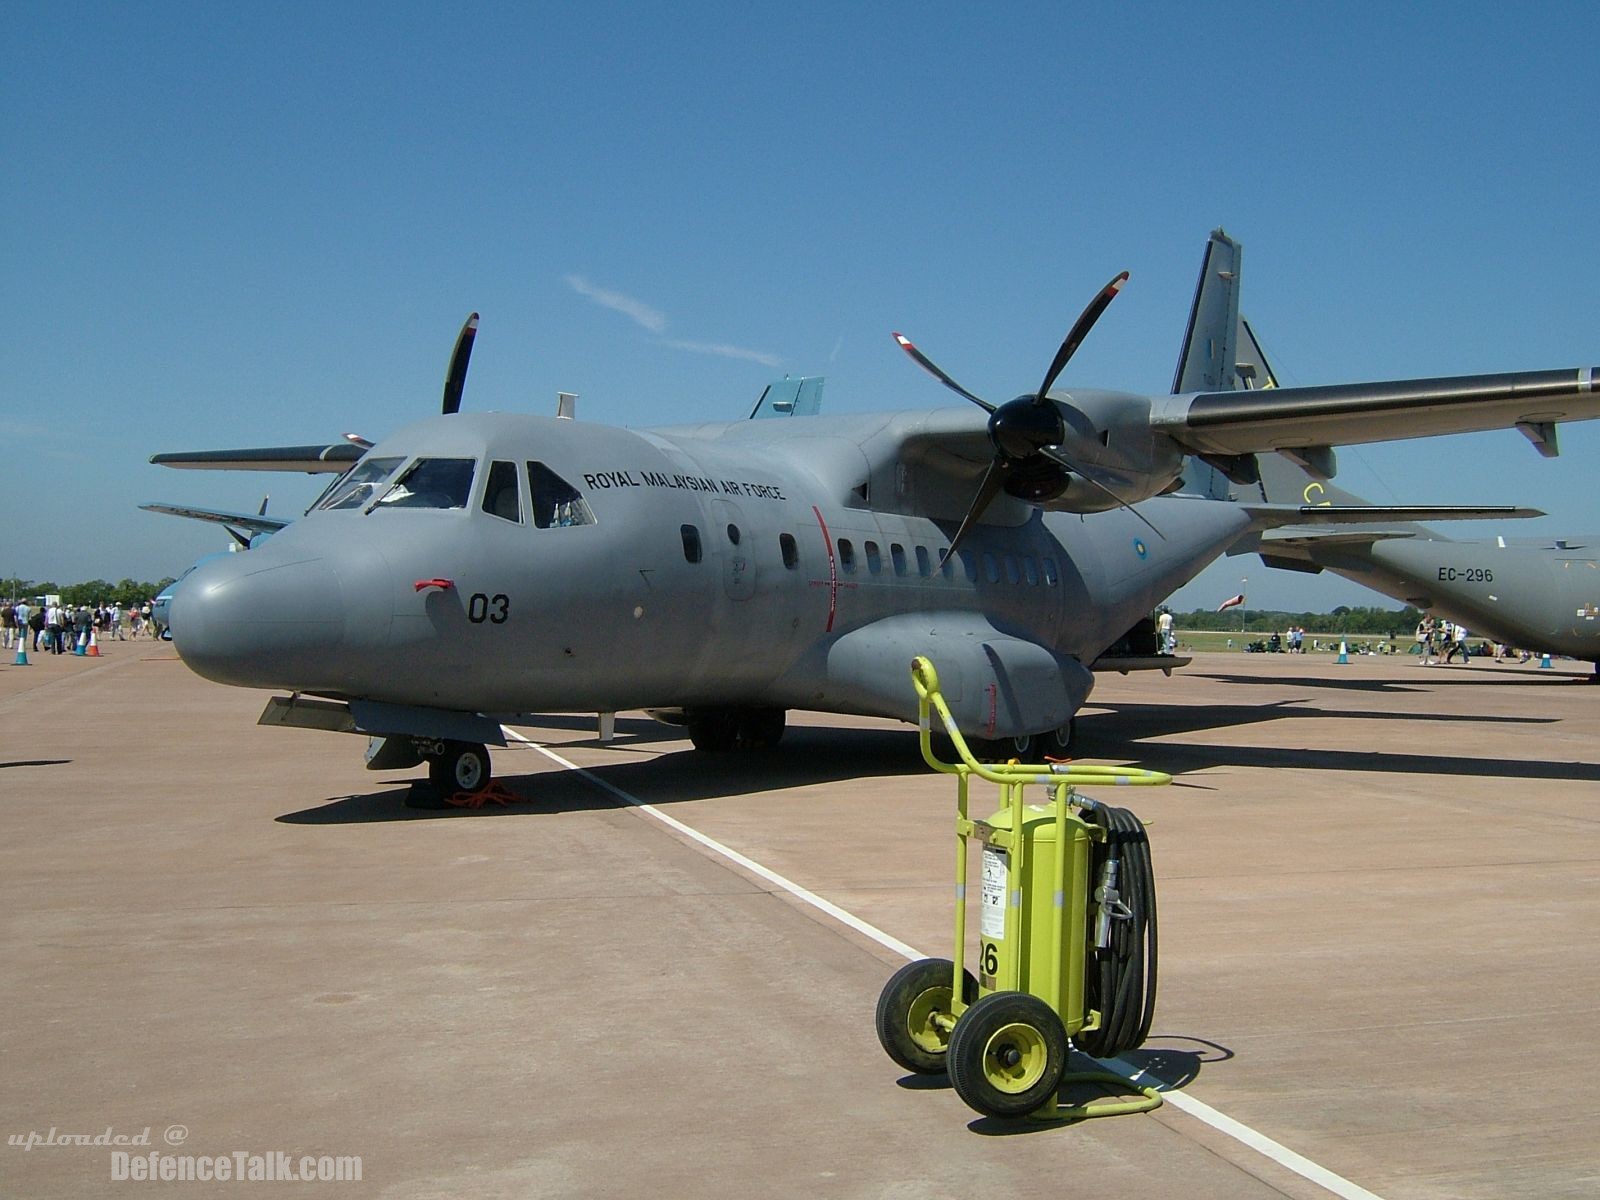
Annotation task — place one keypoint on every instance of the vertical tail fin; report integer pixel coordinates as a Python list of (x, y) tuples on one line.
[(1208, 359), (790, 398)]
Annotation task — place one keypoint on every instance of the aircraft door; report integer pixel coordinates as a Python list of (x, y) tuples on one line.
[(734, 540)]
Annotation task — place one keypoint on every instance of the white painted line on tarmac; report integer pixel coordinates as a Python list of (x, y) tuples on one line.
[(1302, 1166)]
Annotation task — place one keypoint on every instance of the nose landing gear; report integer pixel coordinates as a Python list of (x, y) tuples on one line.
[(458, 767)]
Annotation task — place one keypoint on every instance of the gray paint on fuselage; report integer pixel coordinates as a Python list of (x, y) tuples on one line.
[(1536, 597), (611, 616)]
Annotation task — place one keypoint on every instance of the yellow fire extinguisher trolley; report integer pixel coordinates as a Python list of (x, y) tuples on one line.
[(1066, 938)]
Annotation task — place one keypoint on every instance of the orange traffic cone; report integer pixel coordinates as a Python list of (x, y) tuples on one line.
[(94, 645)]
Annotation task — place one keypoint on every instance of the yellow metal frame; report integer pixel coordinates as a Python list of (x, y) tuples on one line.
[(1061, 780)]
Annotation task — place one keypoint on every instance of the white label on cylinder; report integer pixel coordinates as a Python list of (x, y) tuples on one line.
[(992, 909)]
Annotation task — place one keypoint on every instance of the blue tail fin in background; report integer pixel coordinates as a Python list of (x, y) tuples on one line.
[(790, 398)]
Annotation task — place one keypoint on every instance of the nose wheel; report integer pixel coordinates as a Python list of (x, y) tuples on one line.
[(462, 767)]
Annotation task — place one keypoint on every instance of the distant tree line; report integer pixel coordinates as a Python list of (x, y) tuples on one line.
[(95, 591), (1366, 621)]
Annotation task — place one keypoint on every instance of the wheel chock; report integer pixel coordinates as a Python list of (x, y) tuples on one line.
[(493, 792)]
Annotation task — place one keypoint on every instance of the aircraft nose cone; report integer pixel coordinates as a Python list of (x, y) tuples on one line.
[(252, 624)]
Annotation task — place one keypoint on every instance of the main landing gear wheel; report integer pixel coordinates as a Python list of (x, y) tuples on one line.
[(1058, 742), (914, 995), (1007, 1054), (463, 767), (1023, 748), (716, 730)]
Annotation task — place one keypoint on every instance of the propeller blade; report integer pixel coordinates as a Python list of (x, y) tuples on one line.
[(993, 479), (1079, 331), (1055, 456), (928, 365), (456, 378)]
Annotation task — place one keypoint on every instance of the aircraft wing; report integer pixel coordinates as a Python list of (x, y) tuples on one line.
[(254, 522), (1250, 422), (311, 459)]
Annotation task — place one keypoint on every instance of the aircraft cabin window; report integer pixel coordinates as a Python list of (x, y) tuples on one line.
[(897, 555), (733, 534), (969, 565), (1012, 575), (991, 569), (357, 487), (924, 563), (791, 551), (500, 496), (847, 555), (1030, 571), (1049, 566), (432, 483), (874, 559), (691, 543), (556, 503)]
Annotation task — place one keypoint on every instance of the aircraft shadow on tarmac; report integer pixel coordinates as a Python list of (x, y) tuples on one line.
[(1447, 678), (1124, 733), (806, 757), (812, 755)]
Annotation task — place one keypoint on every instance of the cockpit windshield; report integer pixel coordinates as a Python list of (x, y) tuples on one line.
[(431, 483), (360, 483)]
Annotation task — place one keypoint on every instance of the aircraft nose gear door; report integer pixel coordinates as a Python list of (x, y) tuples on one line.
[(734, 540)]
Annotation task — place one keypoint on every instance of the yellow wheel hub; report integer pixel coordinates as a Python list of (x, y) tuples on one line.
[(924, 1031), (1014, 1057)]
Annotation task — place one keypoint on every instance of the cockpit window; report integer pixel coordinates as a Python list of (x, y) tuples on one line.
[(500, 493), (555, 501), (360, 483), (432, 483)]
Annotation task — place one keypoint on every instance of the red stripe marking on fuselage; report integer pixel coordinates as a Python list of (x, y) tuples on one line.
[(833, 571)]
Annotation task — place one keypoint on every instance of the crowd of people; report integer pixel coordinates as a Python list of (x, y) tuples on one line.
[(57, 628)]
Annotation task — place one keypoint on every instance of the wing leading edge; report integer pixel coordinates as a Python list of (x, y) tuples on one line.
[(1249, 422)]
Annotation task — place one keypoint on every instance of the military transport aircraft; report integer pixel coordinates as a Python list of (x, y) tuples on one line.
[(476, 566), (1538, 594)]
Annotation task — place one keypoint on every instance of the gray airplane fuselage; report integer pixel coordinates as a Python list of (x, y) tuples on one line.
[(1537, 595), (816, 581)]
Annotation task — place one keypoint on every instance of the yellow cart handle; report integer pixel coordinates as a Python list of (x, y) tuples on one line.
[(926, 680)]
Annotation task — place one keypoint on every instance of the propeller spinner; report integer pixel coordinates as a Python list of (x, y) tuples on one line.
[(1031, 438)]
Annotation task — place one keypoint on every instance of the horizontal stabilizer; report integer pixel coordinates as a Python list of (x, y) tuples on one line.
[(1278, 515), (254, 522), (313, 460)]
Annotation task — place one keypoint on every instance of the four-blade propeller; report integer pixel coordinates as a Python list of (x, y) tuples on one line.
[(455, 378), (1031, 439)]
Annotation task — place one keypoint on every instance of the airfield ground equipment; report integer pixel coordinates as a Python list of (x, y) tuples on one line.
[(1066, 939)]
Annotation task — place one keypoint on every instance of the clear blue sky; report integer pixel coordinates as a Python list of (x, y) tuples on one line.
[(256, 224)]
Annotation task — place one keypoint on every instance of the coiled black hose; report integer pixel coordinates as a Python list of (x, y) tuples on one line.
[(1121, 979)]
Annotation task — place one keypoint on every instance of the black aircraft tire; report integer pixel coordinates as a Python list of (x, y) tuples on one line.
[(761, 728), (463, 767), (1007, 1054), (1003, 750), (712, 730), (906, 1007)]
